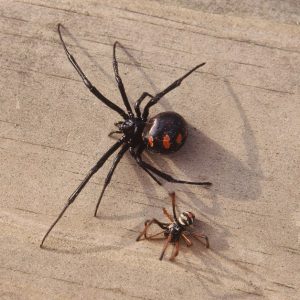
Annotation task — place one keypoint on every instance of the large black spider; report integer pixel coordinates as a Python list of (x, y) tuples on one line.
[(164, 133)]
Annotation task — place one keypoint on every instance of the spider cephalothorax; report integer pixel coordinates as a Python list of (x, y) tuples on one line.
[(174, 231), (131, 129), (163, 133)]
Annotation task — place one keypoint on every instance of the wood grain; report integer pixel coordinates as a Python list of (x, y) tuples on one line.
[(243, 110)]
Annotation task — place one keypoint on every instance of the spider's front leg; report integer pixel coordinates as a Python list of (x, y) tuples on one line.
[(87, 82), (139, 101), (120, 82), (171, 87)]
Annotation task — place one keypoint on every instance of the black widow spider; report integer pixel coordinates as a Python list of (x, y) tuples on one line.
[(164, 133), (179, 227)]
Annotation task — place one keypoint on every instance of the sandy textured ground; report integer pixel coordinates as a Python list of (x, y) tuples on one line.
[(243, 108)]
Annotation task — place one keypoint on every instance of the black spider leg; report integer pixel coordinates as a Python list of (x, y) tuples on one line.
[(138, 103), (134, 155), (110, 174), (165, 176), (87, 83), (151, 175), (74, 195), (120, 83), (171, 87), (111, 134)]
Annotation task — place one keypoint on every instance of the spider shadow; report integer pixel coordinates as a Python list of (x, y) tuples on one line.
[(79, 249), (231, 177), (211, 266), (215, 268)]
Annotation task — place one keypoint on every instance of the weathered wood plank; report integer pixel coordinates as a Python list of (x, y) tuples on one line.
[(243, 109)]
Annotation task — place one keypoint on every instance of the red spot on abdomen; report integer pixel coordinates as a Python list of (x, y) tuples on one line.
[(179, 138), (150, 141), (166, 142)]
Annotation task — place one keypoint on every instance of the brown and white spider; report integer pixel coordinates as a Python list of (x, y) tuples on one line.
[(179, 227)]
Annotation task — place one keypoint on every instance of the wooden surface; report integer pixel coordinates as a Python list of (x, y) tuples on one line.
[(243, 108)]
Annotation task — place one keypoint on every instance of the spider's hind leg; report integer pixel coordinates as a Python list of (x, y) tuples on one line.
[(175, 251), (166, 176), (167, 242)]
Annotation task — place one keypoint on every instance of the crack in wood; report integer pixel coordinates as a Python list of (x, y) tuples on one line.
[(41, 145)]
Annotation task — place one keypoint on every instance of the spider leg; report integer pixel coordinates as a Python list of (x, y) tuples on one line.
[(139, 101), (198, 235), (110, 174), (148, 223), (86, 81), (167, 242), (167, 176), (145, 169), (172, 195), (142, 233), (150, 237), (111, 134), (120, 83), (168, 215), (74, 195), (150, 174), (175, 251), (171, 87), (187, 240)]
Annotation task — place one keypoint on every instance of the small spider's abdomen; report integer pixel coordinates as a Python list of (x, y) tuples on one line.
[(165, 133)]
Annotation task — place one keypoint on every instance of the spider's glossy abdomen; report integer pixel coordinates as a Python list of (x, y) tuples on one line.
[(165, 133)]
